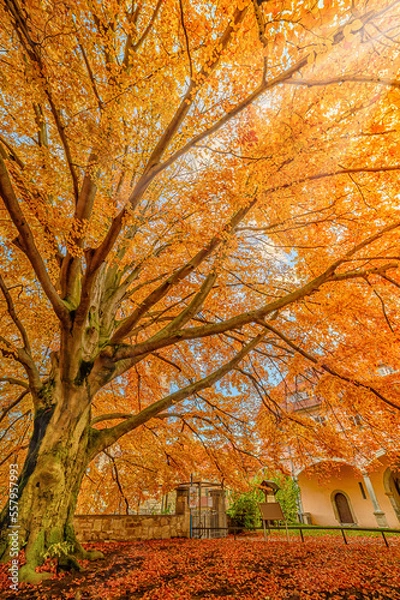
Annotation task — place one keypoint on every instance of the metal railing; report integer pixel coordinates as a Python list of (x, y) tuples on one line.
[(204, 532)]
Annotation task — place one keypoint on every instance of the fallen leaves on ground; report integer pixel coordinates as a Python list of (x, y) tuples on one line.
[(181, 569)]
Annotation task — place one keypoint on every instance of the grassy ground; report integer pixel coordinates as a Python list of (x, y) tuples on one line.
[(310, 532), (321, 568)]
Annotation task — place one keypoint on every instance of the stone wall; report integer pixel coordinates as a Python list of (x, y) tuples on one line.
[(104, 528)]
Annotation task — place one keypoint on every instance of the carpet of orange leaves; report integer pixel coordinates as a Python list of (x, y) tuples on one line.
[(319, 569)]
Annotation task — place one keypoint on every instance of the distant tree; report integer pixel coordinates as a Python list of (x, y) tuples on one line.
[(288, 496)]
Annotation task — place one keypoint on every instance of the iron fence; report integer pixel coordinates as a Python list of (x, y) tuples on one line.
[(202, 532)]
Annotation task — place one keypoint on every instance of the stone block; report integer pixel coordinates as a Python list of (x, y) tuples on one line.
[(165, 532), (131, 527), (115, 524)]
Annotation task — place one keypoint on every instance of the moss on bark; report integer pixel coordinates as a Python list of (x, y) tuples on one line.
[(58, 455)]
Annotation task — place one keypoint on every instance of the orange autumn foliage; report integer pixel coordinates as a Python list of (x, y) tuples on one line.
[(199, 201)]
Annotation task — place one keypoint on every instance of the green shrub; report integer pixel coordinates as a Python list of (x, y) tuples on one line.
[(244, 511), (287, 496)]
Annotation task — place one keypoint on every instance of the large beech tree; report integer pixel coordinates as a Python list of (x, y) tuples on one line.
[(192, 192)]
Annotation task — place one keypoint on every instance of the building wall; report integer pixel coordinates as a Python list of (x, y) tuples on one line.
[(95, 528), (378, 477), (317, 497)]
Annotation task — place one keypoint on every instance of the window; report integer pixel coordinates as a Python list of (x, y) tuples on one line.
[(364, 495), (320, 420), (356, 419), (385, 370), (298, 397)]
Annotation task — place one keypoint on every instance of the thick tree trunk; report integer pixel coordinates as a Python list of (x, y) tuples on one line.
[(50, 482)]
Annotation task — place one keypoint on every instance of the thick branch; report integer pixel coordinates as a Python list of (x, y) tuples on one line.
[(5, 412), (154, 167), (90, 72), (326, 368), (342, 79), (265, 86), (100, 254), (43, 137), (11, 153), (185, 33), (24, 358), (191, 333), (107, 437), (193, 307), (84, 206), (72, 265), (179, 275), (13, 314), (364, 273), (95, 259), (110, 417), (22, 30), (27, 243), (328, 276), (14, 381), (134, 47)]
